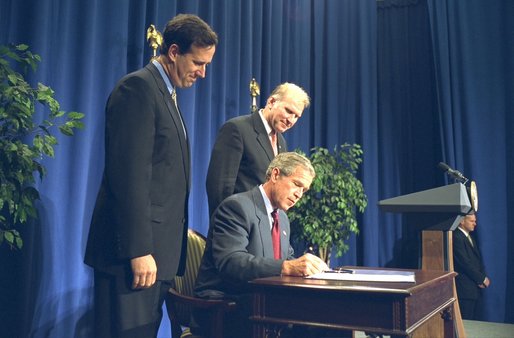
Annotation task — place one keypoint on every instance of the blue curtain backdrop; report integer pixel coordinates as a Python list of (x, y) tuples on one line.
[(415, 82)]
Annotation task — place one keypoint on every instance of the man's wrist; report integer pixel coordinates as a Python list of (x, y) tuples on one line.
[(283, 270)]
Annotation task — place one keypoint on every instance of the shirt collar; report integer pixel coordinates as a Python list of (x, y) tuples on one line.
[(265, 122), (464, 231), (163, 75), (267, 202)]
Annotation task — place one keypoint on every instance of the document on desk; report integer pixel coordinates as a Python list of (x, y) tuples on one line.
[(366, 275)]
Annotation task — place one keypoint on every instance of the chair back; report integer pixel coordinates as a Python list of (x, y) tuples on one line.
[(185, 284)]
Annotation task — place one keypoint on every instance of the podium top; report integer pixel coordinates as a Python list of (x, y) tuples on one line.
[(447, 199)]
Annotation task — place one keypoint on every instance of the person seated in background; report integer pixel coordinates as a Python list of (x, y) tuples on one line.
[(471, 278), (249, 238)]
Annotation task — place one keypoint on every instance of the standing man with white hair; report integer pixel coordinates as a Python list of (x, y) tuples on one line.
[(246, 144), (471, 278)]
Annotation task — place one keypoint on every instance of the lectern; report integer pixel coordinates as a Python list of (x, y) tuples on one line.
[(445, 206)]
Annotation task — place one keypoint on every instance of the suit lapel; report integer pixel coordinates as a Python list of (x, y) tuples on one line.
[(175, 116), (282, 146), (264, 225), (284, 239), (262, 136), (474, 247)]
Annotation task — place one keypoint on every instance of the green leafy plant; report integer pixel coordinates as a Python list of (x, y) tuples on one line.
[(23, 141), (326, 215)]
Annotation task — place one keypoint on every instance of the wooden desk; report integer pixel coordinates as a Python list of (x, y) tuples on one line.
[(395, 309)]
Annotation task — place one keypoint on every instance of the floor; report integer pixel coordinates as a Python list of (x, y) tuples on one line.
[(476, 329)]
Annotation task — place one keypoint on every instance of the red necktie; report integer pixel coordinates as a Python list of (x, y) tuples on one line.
[(275, 235)]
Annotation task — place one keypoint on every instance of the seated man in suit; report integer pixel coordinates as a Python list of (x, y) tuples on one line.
[(241, 244), (245, 145), (471, 278)]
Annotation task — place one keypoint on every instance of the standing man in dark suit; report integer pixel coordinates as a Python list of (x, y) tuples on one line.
[(240, 245), (471, 278), (246, 144), (137, 239)]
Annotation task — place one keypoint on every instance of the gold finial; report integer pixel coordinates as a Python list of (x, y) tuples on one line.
[(255, 91), (154, 38)]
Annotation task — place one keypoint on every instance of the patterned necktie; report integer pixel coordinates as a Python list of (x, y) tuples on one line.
[(275, 234), (470, 241), (174, 99)]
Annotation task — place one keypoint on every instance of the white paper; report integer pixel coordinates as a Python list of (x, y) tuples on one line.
[(366, 275)]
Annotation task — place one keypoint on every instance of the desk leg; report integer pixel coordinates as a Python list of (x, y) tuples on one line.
[(258, 331), (266, 331), (449, 329)]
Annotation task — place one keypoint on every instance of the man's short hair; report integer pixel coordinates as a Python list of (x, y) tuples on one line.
[(293, 91), (185, 30), (288, 162)]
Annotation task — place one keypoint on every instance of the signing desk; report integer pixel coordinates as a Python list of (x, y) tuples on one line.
[(391, 308)]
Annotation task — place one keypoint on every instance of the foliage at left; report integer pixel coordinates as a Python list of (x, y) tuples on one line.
[(23, 141)]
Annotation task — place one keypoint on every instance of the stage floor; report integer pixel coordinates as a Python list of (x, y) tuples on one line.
[(477, 329)]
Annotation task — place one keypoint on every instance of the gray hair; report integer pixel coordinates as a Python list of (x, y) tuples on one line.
[(293, 91), (287, 164)]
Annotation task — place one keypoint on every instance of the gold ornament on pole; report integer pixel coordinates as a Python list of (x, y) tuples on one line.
[(255, 91), (154, 38)]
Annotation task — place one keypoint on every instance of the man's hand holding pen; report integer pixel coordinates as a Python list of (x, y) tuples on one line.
[(306, 265)]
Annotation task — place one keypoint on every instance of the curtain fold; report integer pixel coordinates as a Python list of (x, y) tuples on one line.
[(475, 106)]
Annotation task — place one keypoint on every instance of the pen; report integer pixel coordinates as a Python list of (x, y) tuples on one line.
[(340, 270)]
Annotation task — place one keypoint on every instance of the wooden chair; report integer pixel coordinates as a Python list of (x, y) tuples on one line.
[(181, 300)]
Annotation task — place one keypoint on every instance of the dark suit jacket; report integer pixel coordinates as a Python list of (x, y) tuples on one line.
[(240, 158), (141, 207), (239, 246), (468, 264)]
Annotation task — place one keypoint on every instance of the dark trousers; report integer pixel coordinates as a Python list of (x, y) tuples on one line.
[(468, 308), (121, 312)]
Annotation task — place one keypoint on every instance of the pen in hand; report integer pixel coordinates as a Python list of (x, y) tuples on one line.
[(310, 250), (338, 270)]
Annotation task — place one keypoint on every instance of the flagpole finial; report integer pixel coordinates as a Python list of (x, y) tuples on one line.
[(255, 91), (154, 38)]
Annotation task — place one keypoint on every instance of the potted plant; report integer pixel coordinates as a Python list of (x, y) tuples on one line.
[(23, 141), (326, 215)]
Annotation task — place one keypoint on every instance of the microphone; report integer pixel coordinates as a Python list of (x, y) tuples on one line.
[(457, 175)]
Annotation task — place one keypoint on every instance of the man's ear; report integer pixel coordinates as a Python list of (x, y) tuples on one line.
[(173, 51), (272, 100), (275, 174)]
